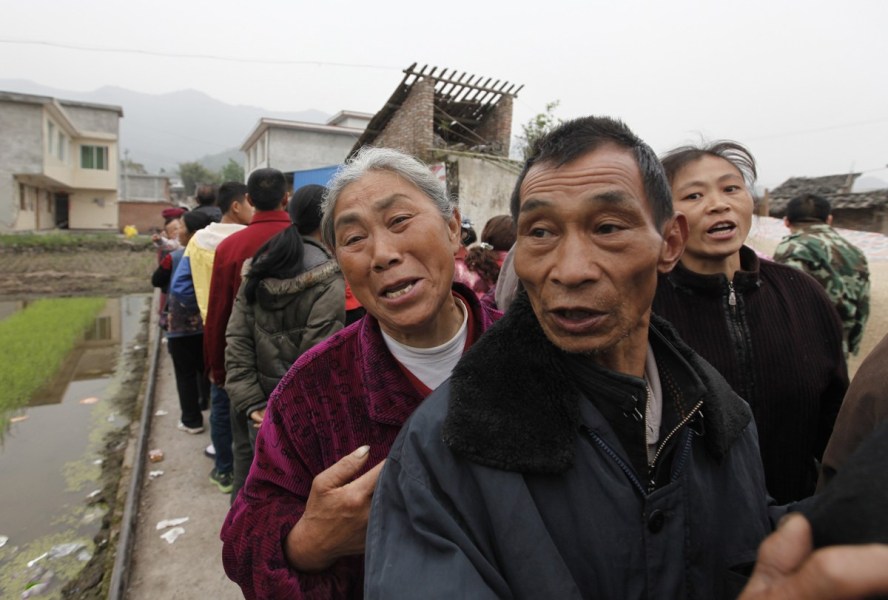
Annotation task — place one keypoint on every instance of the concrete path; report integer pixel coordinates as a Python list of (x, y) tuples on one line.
[(190, 567)]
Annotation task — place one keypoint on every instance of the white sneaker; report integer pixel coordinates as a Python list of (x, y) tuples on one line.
[(210, 451), (195, 430)]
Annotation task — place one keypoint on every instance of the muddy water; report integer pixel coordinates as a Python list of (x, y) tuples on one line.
[(51, 458)]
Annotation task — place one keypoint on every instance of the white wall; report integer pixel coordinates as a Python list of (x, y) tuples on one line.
[(295, 150), (485, 189), (93, 209)]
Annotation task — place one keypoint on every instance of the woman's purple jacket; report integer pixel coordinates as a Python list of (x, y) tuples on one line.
[(345, 392)]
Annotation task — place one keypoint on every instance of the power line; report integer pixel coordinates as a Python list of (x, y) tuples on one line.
[(815, 130), (235, 59)]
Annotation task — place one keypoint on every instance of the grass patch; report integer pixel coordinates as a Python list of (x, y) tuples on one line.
[(33, 344)]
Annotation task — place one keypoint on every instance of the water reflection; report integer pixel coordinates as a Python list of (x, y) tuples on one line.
[(50, 462)]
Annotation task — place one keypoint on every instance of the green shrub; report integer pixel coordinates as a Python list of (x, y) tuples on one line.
[(33, 344), (63, 240)]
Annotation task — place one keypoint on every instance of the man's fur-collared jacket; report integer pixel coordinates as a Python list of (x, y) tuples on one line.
[(508, 482)]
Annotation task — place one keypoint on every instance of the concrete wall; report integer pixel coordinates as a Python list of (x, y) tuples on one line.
[(356, 122), (21, 151), (485, 188), (411, 128), (93, 119), (93, 209), (144, 187), (296, 150)]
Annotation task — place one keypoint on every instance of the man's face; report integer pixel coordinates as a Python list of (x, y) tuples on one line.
[(588, 253)]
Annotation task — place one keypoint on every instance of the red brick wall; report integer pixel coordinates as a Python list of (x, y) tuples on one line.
[(411, 129), (144, 215), (497, 127)]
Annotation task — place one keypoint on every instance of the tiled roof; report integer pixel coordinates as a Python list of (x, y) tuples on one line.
[(835, 188), (828, 184)]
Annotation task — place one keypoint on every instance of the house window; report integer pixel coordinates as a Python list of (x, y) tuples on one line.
[(50, 136), (63, 142), (23, 197), (94, 157)]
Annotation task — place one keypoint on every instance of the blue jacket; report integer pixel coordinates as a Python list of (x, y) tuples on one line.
[(183, 313)]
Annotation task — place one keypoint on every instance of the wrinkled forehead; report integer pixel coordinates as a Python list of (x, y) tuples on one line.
[(607, 167)]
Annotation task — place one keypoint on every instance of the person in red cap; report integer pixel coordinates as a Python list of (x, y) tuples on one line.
[(167, 239), (172, 212)]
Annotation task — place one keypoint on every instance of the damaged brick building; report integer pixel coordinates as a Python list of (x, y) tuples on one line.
[(461, 125)]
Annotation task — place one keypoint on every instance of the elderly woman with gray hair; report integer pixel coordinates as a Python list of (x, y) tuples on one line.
[(297, 528)]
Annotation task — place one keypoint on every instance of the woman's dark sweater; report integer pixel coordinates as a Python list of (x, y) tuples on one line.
[(778, 342)]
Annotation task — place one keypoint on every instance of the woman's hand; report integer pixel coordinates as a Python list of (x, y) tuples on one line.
[(334, 523)]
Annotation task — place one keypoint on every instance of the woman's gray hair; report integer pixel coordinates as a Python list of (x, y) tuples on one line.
[(382, 159)]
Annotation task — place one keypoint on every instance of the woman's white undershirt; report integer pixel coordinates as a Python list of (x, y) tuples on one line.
[(432, 365)]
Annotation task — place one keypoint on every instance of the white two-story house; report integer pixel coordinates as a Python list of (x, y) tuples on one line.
[(58, 164), (295, 145)]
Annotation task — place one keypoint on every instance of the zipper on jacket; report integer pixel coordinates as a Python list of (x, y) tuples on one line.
[(652, 484), (630, 473), (734, 316)]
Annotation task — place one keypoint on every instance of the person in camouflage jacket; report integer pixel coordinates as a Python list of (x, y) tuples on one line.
[(840, 267)]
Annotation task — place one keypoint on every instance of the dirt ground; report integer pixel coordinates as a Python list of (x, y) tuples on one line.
[(104, 272)]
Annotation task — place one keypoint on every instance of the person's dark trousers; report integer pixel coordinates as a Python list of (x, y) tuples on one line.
[(244, 433), (187, 354), (220, 428)]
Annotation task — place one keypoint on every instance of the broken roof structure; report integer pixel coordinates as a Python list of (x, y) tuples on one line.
[(435, 108)]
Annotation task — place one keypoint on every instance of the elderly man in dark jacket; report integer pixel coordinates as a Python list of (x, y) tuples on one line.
[(580, 449)]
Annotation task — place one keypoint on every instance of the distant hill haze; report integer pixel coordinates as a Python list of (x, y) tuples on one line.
[(162, 130)]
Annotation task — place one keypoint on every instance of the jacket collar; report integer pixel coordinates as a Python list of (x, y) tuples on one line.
[(514, 407), (265, 216), (746, 279), (391, 396), (273, 293)]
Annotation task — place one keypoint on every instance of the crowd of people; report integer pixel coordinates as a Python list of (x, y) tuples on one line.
[(609, 395)]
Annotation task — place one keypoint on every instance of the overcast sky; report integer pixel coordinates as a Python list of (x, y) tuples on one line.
[(803, 84)]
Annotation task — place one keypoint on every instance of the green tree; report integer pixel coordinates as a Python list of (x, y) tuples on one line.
[(233, 171), (194, 174), (538, 126)]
